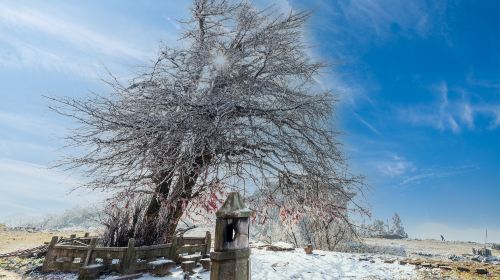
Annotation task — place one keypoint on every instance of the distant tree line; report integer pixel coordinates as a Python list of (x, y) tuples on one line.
[(379, 228)]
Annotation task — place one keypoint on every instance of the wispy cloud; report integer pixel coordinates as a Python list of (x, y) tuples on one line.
[(49, 40), (395, 166), (485, 83), (284, 6), (420, 175), (452, 111), (173, 22), (28, 123), (355, 26), (77, 35), (33, 189), (383, 18), (367, 124), (19, 54), (405, 172)]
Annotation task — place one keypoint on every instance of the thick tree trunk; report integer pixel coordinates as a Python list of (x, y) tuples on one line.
[(186, 184), (158, 227), (148, 231)]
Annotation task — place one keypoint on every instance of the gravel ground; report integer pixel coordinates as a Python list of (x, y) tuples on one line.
[(429, 248)]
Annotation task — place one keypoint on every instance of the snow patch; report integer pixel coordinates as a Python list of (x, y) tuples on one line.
[(297, 265)]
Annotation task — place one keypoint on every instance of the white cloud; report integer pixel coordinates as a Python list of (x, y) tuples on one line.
[(453, 111), (18, 54), (420, 175), (16, 148), (173, 22), (484, 83), (378, 17), (284, 6), (367, 124), (77, 35), (496, 121), (33, 189), (395, 166), (468, 115), (28, 123), (404, 172), (51, 39)]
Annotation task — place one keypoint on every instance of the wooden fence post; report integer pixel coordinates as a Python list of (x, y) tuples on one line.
[(173, 248), (48, 257), (92, 245), (86, 234), (130, 260), (208, 242)]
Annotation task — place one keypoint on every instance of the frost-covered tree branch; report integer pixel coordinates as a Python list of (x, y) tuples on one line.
[(237, 108)]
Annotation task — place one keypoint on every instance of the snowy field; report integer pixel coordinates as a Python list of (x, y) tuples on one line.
[(292, 265), (320, 265), (323, 265)]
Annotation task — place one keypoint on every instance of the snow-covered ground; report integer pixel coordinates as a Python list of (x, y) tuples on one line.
[(296, 264), (320, 265), (323, 265)]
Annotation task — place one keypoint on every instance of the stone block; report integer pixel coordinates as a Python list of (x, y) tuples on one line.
[(206, 263), (129, 276), (427, 265), (481, 270), (90, 272), (161, 267), (463, 269), (188, 266), (186, 258), (308, 249)]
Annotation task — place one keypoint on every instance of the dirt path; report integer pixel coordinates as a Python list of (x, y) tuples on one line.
[(7, 275)]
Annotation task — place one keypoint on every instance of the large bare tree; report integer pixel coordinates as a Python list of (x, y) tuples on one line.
[(236, 106)]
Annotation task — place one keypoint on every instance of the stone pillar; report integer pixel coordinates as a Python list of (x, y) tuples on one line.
[(231, 256)]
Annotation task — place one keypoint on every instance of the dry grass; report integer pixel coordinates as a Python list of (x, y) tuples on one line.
[(413, 247), (16, 240), (440, 252), (11, 240), (437, 273), (7, 275)]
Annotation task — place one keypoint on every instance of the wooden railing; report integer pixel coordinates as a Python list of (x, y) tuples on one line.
[(70, 256)]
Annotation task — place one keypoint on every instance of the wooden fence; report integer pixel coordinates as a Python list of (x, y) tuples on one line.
[(66, 257)]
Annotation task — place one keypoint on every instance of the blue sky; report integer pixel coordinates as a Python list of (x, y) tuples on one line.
[(419, 85)]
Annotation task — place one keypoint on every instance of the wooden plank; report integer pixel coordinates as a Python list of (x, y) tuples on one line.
[(110, 249), (208, 242), (91, 247), (129, 276), (130, 259), (70, 247), (49, 256), (193, 240), (191, 249), (153, 247)]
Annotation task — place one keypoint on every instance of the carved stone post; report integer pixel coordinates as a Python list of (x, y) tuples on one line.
[(230, 259)]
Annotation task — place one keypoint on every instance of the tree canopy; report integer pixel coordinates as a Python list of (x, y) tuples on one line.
[(236, 106)]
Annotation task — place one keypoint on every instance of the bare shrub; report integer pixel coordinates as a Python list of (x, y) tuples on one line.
[(121, 220)]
